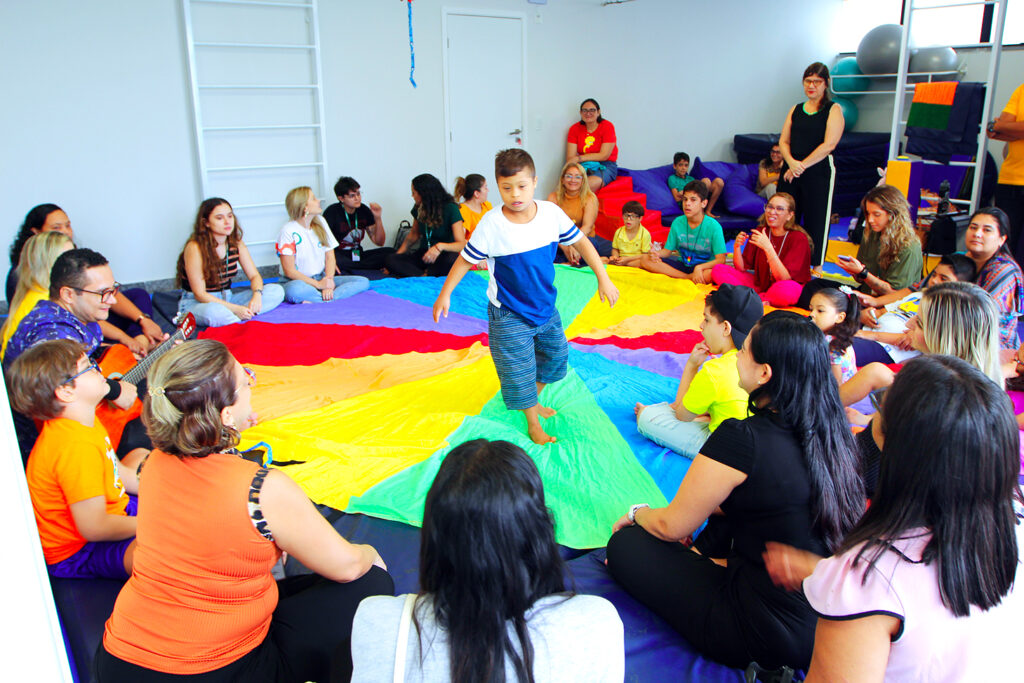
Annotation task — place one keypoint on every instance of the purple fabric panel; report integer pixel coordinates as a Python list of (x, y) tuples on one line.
[(654, 651), (371, 308), (661, 362)]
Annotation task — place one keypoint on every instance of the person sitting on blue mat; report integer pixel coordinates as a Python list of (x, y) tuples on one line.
[(790, 470), (493, 603)]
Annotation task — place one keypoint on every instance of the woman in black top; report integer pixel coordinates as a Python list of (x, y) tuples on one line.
[(810, 133), (437, 219), (788, 471)]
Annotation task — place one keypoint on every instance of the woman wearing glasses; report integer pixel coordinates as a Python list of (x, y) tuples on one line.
[(201, 600), (575, 198), (591, 142), (774, 258), (811, 131)]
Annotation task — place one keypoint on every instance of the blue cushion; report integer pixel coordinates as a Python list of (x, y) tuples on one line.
[(738, 194), (712, 169), (653, 182)]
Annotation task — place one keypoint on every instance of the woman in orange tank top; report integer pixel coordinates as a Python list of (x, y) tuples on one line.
[(201, 598), (574, 197)]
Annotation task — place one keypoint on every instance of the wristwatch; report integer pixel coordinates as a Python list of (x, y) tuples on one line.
[(862, 275), (632, 511), (141, 316)]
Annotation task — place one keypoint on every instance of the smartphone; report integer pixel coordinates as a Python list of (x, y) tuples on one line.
[(844, 257)]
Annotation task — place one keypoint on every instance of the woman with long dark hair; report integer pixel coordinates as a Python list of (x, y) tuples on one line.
[(493, 605), (438, 221), (787, 471), (999, 274), (811, 131), (922, 587)]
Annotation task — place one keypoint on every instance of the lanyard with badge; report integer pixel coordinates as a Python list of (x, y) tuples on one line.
[(356, 247)]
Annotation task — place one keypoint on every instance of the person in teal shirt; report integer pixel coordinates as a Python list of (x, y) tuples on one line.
[(695, 241)]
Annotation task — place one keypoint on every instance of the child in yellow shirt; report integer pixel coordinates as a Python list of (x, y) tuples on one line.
[(632, 240)]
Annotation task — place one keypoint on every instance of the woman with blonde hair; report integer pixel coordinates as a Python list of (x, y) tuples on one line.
[(574, 196), (306, 249), (208, 263), (37, 257), (889, 257), (202, 601), (774, 259)]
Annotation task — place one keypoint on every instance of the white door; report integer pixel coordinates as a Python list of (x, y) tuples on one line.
[(485, 84)]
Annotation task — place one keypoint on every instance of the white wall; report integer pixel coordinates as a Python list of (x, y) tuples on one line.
[(98, 110)]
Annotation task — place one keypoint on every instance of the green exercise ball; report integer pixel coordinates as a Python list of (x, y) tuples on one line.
[(847, 66), (849, 111)]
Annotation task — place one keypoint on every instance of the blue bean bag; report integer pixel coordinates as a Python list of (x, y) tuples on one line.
[(738, 194), (653, 182)]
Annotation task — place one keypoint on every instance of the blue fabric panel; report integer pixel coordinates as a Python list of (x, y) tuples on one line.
[(654, 651), (469, 298)]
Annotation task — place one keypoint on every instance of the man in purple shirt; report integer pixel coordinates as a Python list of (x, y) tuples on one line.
[(82, 288)]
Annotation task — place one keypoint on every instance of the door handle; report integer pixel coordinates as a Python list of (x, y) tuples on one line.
[(517, 131)]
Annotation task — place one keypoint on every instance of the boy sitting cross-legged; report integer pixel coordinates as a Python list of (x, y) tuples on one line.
[(78, 486), (696, 238), (632, 240), (709, 390), (519, 241)]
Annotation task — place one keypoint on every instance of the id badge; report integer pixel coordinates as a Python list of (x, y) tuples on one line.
[(355, 254)]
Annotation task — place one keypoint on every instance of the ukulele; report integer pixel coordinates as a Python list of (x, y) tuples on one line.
[(119, 363)]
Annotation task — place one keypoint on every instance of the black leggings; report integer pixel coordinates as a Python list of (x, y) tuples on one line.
[(309, 636), (698, 599), (813, 194), (410, 264)]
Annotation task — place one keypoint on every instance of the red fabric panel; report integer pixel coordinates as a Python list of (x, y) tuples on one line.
[(676, 342), (310, 344)]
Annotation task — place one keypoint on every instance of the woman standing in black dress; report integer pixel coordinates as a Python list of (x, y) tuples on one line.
[(810, 133)]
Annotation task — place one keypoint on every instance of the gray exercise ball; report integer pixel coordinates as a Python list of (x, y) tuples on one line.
[(931, 59), (879, 50)]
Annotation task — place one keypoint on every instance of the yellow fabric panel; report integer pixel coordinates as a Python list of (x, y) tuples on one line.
[(350, 445), (897, 174), (640, 294), (283, 390)]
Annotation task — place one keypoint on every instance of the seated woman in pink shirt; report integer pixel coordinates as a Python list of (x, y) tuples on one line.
[(774, 259), (923, 587)]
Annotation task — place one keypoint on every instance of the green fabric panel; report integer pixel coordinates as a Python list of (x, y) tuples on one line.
[(591, 477), (924, 115)]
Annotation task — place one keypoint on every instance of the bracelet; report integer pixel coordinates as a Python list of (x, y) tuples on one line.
[(140, 318), (257, 291), (633, 510)]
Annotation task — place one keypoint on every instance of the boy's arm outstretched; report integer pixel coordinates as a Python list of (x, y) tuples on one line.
[(459, 269), (606, 289)]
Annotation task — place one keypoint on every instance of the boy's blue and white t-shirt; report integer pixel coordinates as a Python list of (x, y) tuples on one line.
[(520, 258)]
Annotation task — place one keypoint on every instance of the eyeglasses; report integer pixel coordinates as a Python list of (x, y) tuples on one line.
[(776, 209), (588, 111), (108, 293), (572, 176), (72, 378), (251, 374), (814, 81)]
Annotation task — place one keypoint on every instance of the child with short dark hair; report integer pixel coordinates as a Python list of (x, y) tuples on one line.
[(632, 240), (78, 486), (709, 390), (519, 242), (695, 238), (681, 177)]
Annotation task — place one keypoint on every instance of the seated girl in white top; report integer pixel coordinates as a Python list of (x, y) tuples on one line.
[(306, 249), (923, 587), (493, 589)]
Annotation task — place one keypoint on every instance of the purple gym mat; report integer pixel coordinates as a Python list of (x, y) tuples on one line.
[(371, 308)]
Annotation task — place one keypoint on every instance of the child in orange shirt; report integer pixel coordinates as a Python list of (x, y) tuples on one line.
[(79, 488)]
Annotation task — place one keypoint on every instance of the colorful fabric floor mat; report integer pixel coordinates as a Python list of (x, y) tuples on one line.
[(367, 395)]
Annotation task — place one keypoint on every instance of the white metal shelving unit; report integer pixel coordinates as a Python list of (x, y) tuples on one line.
[(258, 106)]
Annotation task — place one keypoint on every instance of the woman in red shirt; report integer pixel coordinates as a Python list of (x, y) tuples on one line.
[(591, 142), (201, 598)]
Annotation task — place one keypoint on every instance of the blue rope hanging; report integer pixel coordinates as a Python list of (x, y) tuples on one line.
[(412, 51)]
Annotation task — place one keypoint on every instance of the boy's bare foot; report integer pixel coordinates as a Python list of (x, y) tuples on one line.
[(539, 436), (639, 408), (544, 411)]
